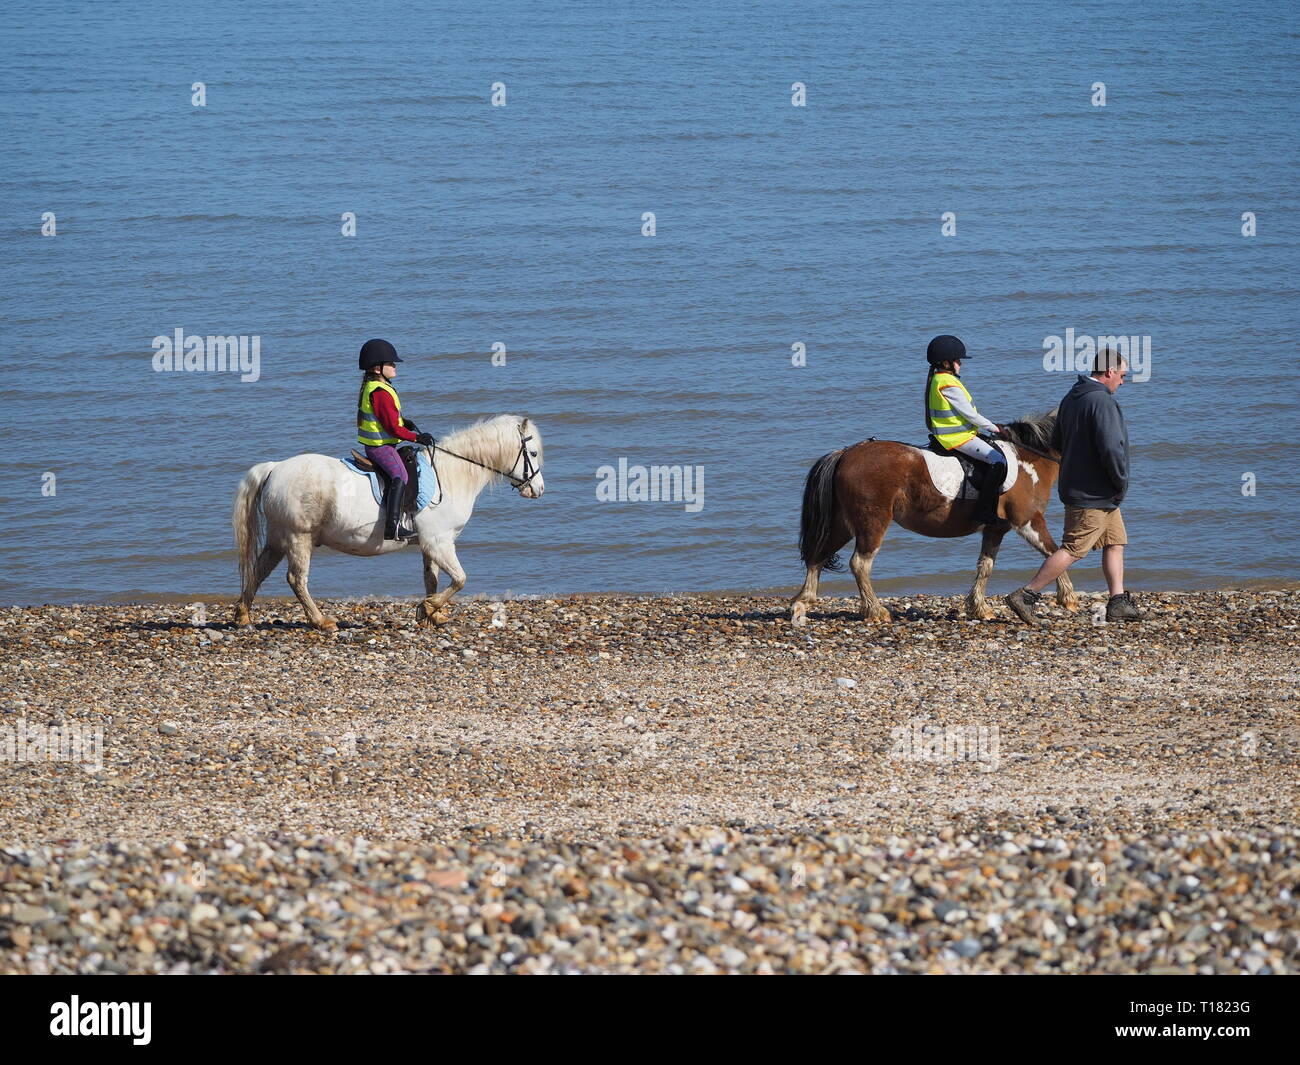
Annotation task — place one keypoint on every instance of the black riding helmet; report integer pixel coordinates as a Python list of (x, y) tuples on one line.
[(376, 353), (945, 349)]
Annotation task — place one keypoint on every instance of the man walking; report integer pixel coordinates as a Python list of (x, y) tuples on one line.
[(1092, 438)]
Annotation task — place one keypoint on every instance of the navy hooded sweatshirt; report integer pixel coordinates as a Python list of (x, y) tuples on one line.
[(1093, 440)]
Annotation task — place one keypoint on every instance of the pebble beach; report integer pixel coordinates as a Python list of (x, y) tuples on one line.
[(672, 784)]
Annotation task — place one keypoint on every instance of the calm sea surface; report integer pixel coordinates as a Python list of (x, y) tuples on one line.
[(522, 225)]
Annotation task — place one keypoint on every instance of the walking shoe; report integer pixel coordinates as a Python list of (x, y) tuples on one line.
[(1121, 608), (1022, 601)]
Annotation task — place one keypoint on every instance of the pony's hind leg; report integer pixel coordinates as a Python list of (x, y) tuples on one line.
[(864, 554), (267, 560), (299, 555), (1035, 532), (976, 605), (807, 597)]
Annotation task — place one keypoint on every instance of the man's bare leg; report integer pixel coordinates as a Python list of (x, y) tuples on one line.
[(1053, 566), (1112, 566)]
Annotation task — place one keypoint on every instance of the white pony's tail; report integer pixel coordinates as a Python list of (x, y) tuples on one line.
[(248, 519)]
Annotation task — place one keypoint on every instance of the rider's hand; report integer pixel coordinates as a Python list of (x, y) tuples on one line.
[(408, 424), (425, 438)]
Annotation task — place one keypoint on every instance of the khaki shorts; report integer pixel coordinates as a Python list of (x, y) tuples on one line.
[(1086, 528)]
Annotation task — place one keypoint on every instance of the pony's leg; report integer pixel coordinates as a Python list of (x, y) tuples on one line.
[(976, 605), (808, 593), (1035, 532), (441, 555), (864, 553), (807, 597), (266, 561), (422, 613), (298, 552)]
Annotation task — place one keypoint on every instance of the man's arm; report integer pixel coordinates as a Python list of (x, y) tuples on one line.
[(1108, 430)]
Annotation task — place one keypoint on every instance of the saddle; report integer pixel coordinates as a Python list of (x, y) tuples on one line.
[(410, 456), (973, 472)]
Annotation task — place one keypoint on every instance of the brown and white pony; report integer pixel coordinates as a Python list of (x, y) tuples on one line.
[(854, 493)]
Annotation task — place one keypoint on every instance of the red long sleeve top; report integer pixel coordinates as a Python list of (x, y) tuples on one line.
[(387, 416)]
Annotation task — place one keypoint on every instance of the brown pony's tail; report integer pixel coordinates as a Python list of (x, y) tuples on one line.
[(815, 546)]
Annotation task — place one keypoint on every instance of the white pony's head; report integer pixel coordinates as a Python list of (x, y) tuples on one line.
[(508, 446), (527, 470)]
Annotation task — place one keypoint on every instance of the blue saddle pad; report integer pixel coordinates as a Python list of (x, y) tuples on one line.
[(427, 490)]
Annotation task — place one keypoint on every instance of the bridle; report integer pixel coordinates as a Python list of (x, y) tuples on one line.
[(530, 471)]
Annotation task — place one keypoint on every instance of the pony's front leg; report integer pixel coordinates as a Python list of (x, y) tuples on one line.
[(976, 605), (439, 556), (422, 614)]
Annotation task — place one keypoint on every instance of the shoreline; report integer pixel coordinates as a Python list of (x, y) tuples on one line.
[(656, 784), (884, 586)]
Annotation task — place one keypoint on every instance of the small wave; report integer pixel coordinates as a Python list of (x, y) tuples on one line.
[(191, 218)]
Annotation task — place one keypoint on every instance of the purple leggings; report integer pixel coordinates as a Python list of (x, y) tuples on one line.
[(388, 460)]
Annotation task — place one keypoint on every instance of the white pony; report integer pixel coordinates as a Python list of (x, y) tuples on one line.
[(310, 500)]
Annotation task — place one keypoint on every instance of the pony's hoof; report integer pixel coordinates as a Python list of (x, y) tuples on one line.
[(877, 616), (242, 617), (1071, 603), (984, 612), (442, 617), (328, 625)]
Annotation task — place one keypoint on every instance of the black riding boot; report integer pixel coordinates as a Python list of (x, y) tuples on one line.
[(986, 507), (393, 492)]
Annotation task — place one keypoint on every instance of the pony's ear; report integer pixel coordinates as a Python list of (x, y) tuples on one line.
[(524, 425)]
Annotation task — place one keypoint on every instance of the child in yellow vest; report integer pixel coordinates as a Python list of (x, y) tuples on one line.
[(953, 420), (380, 427)]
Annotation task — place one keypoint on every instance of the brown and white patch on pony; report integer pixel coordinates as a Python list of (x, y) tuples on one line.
[(949, 481)]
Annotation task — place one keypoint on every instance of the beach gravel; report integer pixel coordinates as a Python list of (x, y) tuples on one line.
[(673, 784)]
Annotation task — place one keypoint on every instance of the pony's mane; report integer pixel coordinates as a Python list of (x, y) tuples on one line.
[(480, 432), (477, 440), (1033, 430)]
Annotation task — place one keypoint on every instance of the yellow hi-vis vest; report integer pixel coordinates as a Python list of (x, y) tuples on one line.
[(949, 427), (369, 429)]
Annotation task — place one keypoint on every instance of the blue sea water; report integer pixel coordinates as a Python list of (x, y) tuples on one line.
[(522, 225)]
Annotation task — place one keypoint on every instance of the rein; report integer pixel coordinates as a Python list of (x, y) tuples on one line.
[(529, 471)]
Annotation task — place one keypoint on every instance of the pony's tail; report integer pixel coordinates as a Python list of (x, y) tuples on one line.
[(815, 546), (249, 526)]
